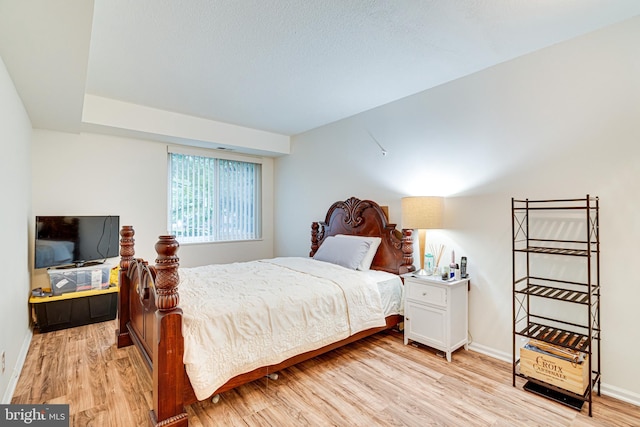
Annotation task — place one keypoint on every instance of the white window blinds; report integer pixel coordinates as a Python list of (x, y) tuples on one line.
[(213, 199)]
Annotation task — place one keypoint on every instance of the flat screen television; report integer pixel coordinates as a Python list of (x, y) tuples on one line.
[(75, 241)]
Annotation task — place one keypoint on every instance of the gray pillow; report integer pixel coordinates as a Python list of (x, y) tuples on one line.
[(374, 242), (348, 253)]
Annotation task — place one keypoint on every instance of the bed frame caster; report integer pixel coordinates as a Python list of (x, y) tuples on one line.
[(273, 376), (215, 398)]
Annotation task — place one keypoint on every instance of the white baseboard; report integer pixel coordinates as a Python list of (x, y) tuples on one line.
[(620, 394), (478, 348), (17, 369), (606, 389)]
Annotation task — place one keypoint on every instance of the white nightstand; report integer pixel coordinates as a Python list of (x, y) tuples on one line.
[(436, 312)]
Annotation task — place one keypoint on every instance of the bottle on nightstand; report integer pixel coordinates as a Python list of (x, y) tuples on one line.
[(453, 266), (428, 263)]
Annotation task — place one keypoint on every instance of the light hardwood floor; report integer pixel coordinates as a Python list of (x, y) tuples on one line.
[(375, 382)]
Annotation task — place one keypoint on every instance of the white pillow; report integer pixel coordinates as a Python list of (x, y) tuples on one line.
[(374, 242), (345, 252)]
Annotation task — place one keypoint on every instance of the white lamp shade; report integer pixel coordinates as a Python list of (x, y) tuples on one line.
[(422, 212)]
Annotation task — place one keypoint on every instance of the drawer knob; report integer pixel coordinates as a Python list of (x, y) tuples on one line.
[(424, 294)]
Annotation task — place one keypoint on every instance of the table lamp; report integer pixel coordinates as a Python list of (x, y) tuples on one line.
[(422, 213)]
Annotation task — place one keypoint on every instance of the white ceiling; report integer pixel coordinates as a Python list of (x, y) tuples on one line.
[(274, 65)]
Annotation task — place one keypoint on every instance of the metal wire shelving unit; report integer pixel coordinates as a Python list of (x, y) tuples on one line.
[(544, 231)]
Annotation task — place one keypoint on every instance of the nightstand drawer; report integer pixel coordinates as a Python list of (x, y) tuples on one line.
[(426, 293)]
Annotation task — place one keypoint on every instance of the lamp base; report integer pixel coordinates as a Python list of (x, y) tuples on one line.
[(422, 272)]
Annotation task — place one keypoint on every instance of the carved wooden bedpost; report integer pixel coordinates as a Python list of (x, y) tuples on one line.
[(127, 251), (168, 365), (314, 238), (407, 250)]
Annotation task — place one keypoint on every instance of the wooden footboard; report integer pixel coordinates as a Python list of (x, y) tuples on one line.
[(149, 315)]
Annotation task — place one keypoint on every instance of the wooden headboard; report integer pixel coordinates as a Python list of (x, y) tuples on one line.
[(366, 218)]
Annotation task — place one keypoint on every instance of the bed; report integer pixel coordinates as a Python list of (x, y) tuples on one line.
[(202, 341)]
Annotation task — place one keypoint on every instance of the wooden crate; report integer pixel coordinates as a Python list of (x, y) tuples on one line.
[(573, 377)]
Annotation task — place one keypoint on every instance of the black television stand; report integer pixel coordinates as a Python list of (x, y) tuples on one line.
[(71, 309)]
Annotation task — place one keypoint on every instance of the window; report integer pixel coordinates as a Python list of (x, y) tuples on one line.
[(213, 199)]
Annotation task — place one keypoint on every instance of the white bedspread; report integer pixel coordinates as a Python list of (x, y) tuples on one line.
[(238, 317)]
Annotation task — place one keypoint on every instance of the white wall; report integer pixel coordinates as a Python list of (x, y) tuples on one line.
[(91, 174), (561, 122), (15, 174)]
